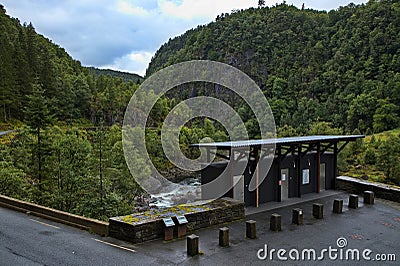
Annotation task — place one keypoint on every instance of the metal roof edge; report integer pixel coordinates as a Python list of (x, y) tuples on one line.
[(280, 141)]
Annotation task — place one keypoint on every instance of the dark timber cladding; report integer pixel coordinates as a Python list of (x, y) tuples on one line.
[(295, 167)]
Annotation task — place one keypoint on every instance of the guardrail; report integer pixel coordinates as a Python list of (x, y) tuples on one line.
[(91, 225)]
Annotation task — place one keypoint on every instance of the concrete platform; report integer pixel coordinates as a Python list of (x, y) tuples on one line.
[(291, 201)]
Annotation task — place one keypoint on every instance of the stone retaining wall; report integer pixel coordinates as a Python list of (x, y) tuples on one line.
[(357, 186), (217, 212)]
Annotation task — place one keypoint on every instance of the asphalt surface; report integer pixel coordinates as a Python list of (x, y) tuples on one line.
[(27, 240)]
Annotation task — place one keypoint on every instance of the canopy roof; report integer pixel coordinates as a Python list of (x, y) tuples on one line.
[(279, 141)]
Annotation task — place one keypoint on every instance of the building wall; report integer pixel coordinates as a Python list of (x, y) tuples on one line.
[(208, 174), (268, 189)]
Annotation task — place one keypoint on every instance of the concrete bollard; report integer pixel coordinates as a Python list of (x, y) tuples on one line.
[(318, 210), (338, 206), (297, 216), (369, 197), (275, 222), (353, 201), (251, 229), (192, 243), (224, 237)]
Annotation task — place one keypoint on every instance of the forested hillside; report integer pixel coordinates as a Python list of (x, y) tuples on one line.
[(64, 153), (30, 62), (376, 158), (341, 67), (123, 75)]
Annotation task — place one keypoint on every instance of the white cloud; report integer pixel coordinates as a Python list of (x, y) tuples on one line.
[(191, 9), (127, 8), (134, 62)]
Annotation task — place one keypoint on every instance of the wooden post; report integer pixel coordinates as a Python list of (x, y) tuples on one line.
[(257, 158), (318, 167), (338, 206), (353, 201), (275, 222), (297, 216), (318, 210), (279, 182), (299, 171), (169, 225), (168, 233), (251, 229), (192, 244), (224, 237), (231, 169), (335, 153), (369, 197)]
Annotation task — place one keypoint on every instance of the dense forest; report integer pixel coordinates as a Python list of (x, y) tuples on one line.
[(123, 75), (30, 62), (65, 153), (340, 66), (333, 72)]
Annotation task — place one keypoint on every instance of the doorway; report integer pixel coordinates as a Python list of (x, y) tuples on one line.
[(238, 189), (322, 177), (284, 184)]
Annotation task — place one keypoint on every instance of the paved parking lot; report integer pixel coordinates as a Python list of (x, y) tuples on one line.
[(372, 229), (375, 227)]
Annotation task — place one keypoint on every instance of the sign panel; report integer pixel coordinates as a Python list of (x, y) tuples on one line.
[(306, 176), (181, 219), (168, 222)]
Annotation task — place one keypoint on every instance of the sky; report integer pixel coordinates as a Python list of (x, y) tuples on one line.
[(124, 34)]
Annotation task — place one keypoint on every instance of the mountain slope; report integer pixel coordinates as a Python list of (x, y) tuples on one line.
[(341, 67), (71, 92), (27, 58), (125, 76)]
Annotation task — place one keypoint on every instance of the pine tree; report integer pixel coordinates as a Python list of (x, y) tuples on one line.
[(38, 118)]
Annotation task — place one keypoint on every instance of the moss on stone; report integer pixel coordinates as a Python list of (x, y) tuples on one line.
[(183, 209)]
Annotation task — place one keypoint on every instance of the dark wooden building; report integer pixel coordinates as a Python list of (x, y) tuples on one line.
[(287, 167)]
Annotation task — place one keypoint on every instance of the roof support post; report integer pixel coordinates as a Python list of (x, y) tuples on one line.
[(231, 170), (278, 183), (257, 159), (318, 167), (335, 154), (299, 171)]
